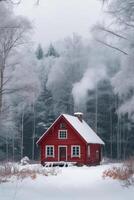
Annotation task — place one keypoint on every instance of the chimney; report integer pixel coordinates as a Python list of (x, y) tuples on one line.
[(79, 115)]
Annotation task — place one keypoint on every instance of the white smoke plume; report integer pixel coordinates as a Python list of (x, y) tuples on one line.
[(88, 82)]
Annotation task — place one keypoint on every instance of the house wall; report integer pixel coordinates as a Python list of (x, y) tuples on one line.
[(73, 138), (94, 158)]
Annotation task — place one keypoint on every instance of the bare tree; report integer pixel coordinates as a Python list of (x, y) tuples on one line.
[(121, 25), (12, 35)]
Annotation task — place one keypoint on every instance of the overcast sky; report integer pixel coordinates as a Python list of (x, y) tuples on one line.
[(56, 19)]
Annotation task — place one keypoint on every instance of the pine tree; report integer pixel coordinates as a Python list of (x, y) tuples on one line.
[(39, 52), (52, 52)]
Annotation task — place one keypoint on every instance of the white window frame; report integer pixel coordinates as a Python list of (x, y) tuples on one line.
[(50, 156), (59, 132), (74, 156)]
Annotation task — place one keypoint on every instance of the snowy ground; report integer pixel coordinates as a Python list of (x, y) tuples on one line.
[(72, 183)]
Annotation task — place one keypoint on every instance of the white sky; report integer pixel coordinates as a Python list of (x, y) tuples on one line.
[(56, 19)]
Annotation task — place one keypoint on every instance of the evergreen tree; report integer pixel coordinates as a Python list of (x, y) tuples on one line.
[(52, 52), (44, 111), (39, 52)]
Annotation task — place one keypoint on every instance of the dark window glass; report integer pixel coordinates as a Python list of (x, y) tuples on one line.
[(76, 151), (63, 134), (50, 151)]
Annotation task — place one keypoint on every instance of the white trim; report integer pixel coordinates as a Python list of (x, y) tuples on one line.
[(47, 156), (59, 151), (74, 156), (59, 134)]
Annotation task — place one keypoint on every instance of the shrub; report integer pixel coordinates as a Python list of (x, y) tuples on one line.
[(25, 161), (125, 173), (8, 170)]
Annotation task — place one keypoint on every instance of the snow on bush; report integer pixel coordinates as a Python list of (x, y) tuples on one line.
[(10, 170), (25, 161), (124, 173)]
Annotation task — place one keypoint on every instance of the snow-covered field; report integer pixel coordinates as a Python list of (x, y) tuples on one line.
[(70, 183)]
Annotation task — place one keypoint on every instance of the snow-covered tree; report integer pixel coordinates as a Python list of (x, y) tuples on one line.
[(122, 15), (19, 82), (26, 81), (39, 52), (52, 51), (13, 31)]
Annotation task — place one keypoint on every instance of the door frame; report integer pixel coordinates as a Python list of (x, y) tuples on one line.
[(59, 152)]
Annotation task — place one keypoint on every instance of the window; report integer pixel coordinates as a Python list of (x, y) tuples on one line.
[(62, 125), (49, 151), (75, 151), (62, 134), (88, 153)]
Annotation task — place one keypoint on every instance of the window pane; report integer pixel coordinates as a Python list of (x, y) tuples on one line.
[(63, 134), (50, 151), (76, 151)]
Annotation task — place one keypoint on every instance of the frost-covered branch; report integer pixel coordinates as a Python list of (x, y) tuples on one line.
[(102, 28), (111, 46)]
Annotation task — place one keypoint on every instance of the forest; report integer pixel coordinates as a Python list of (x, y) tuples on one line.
[(92, 75)]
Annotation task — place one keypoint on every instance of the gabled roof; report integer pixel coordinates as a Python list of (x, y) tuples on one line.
[(81, 127)]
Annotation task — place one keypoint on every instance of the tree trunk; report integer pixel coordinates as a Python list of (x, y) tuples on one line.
[(96, 108), (1, 88), (22, 132), (111, 135), (7, 148), (13, 147), (33, 136)]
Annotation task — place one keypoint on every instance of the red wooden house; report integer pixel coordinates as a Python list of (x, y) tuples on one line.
[(70, 139)]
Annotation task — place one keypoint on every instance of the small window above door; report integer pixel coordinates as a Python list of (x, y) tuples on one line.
[(62, 134)]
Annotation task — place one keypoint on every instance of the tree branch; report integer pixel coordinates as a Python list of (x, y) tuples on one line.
[(113, 47), (111, 32)]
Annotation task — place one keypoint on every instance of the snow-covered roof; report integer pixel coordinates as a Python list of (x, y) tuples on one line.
[(83, 129)]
